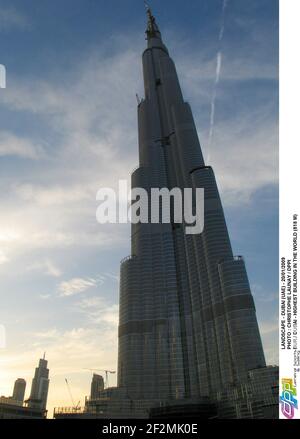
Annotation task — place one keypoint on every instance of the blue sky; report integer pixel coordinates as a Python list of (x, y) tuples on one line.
[(68, 126)]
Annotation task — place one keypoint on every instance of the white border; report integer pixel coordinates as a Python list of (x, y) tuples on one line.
[(289, 146)]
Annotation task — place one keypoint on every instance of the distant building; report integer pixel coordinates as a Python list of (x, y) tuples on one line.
[(112, 404), (256, 398), (19, 390), (39, 387), (7, 400), (97, 386), (17, 398), (11, 409)]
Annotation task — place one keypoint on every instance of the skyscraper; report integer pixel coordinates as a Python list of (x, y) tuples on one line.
[(188, 326), (40, 386), (97, 386), (19, 390)]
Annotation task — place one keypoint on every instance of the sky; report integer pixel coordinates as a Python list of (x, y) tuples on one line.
[(68, 126)]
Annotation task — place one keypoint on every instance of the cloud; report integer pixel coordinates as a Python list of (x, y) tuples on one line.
[(76, 285), (244, 148), (53, 196), (113, 276), (90, 302), (28, 227), (52, 269), (53, 205), (50, 334), (97, 311), (251, 159), (12, 19), (8, 235), (12, 145), (94, 146), (79, 285), (44, 296), (213, 99), (217, 76)]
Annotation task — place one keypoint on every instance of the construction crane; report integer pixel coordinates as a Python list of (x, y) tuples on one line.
[(102, 370), (71, 396)]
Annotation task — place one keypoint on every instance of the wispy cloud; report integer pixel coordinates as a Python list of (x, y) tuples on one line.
[(12, 145), (56, 207), (217, 77), (44, 296), (53, 196), (113, 276), (52, 269), (98, 311), (77, 285), (85, 123), (222, 28), (251, 159)]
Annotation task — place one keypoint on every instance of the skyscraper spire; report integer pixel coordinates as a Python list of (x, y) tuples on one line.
[(152, 28)]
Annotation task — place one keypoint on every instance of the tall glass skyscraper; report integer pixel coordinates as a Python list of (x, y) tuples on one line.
[(188, 324)]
